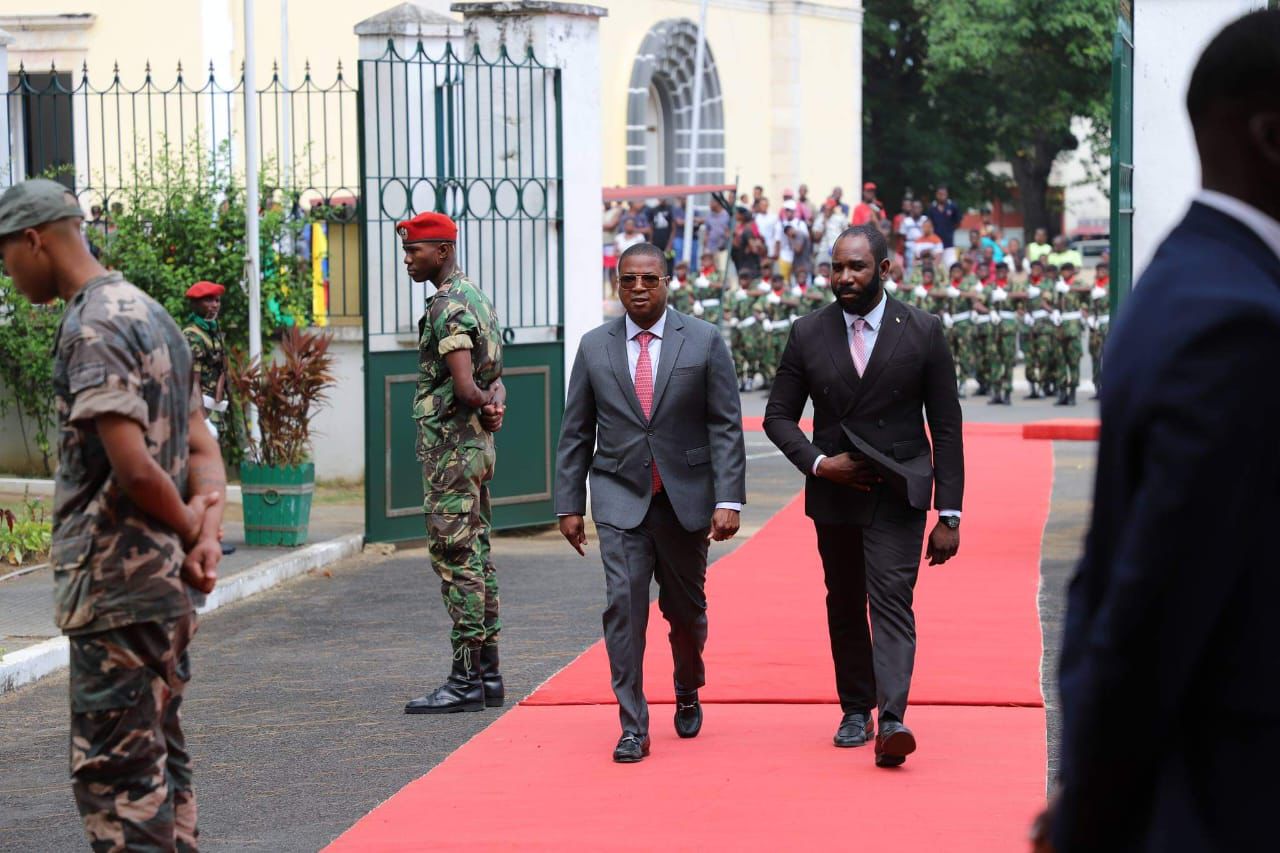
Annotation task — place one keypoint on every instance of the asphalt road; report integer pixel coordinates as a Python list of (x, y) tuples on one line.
[(294, 715)]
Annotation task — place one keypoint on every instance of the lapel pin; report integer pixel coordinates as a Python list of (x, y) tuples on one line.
[(897, 319)]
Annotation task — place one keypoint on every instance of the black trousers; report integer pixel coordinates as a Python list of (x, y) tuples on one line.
[(660, 547), (876, 564)]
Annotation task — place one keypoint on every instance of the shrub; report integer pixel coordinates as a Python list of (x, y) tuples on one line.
[(287, 392), (27, 335), (24, 535)]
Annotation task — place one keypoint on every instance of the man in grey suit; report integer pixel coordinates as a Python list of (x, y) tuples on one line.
[(653, 417)]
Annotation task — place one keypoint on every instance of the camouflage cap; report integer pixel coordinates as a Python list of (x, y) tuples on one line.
[(35, 202)]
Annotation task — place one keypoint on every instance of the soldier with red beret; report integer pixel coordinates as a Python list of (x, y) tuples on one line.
[(208, 349), (458, 405)]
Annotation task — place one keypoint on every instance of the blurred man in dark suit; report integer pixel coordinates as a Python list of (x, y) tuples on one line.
[(1170, 701)]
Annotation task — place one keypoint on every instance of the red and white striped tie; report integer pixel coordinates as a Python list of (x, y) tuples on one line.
[(644, 390)]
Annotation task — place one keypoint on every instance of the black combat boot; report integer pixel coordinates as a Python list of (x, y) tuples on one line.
[(1062, 397), (982, 390), (1035, 393), (494, 692), (461, 691), (995, 397), (1071, 397)]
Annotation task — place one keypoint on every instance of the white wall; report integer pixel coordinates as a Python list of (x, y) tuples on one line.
[(1168, 38), (337, 440)]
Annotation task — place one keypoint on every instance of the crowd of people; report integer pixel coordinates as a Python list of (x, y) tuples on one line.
[(757, 271)]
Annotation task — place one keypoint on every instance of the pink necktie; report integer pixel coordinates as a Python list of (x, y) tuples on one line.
[(859, 348), (644, 390)]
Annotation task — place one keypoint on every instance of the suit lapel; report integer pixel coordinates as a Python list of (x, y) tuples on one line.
[(672, 341), (621, 368), (892, 325), (837, 334)]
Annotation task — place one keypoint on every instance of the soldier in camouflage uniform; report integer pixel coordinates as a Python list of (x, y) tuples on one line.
[(755, 338), (1002, 338), (952, 304), (130, 554), (681, 289), (737, 310), (1037, 331), (458, 405), (208, 350), (1051, 367), (1099, 323), (1072, 306), (708, 294)]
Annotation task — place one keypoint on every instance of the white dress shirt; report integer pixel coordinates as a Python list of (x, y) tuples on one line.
[(870, 331), (1267, 229), (655, 353)]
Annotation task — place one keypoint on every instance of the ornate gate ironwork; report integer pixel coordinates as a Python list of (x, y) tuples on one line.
[(478, 139)]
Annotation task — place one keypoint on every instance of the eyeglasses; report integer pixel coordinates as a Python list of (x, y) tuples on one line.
[(632, 281)]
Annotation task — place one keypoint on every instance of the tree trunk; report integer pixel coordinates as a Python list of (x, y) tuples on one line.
[(1032, 176)]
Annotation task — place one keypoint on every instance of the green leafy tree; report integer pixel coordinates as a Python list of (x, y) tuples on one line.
[(27, 334), (915, 139), (1036, 65), (184, 221)]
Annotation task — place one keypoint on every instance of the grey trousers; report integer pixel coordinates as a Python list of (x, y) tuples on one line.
[(875, 564), (660, 547)]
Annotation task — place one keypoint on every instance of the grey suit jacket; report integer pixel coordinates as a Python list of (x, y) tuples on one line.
[(694, 433)]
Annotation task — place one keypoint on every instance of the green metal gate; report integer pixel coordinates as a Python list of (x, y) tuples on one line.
[(1122, 159), (478, 139)]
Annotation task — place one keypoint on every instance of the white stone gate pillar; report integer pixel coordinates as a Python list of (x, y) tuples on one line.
[(565, 36), (7, 175)]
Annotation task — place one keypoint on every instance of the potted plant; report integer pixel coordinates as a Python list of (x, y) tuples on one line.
[(277, 476)]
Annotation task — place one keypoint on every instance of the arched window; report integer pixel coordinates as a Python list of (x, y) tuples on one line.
[(660, 109)]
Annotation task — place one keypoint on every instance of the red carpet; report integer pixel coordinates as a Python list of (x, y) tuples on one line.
[(1064, 429), (763, 774), (759, 777), (979, 632)]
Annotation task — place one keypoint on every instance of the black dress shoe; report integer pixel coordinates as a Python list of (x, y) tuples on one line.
[(855, 730), (631, 748), (893, 744), (228, 549), (688, 715)]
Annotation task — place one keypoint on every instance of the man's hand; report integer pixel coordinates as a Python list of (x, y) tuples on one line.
[(491, 416), (724, 524), (849, 470), (196, 509), (943, 544), (200, 569), (574, 529), (1043, 825)]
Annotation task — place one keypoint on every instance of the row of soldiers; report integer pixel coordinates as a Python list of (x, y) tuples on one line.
[(758, 312), (986, 322), (1048, 312)]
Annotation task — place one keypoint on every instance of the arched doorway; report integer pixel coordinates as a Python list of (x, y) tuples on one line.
[(660, 109)]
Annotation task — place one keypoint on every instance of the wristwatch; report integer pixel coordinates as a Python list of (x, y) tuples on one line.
[(952, 521)]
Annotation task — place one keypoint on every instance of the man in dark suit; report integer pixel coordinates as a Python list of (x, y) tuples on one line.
[(1170, 701), (875, 368), (653, 416)]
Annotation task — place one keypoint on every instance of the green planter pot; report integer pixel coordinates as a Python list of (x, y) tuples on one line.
[(277, 502)]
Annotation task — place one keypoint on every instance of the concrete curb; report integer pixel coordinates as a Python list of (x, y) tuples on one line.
[(44, 488), (35, 662)]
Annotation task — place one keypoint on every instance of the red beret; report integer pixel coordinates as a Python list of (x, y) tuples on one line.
[(868, 186), (201, 289), (427, 226)]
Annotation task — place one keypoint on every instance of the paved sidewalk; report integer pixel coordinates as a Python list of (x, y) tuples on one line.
[(26, 602)]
